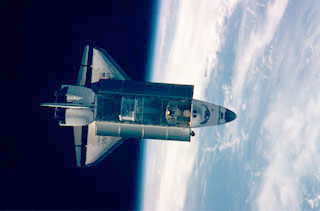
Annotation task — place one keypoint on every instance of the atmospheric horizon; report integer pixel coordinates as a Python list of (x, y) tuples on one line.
[(260, 59)]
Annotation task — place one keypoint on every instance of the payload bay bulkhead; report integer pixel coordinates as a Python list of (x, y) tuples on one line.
[(134, 109)]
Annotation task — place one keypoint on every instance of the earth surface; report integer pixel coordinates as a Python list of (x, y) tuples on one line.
[(260, 59)]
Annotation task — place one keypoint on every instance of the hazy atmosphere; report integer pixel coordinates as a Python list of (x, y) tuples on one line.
[(261, 60)]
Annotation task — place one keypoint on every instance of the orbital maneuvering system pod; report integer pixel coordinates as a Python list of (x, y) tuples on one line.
[(106, 107)]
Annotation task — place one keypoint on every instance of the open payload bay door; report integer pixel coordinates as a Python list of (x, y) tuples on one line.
[(96, 64)]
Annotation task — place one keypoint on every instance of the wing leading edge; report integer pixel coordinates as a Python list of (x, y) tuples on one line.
[(90, 149)]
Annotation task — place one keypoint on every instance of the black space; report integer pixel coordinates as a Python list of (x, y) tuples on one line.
[(43, 46)]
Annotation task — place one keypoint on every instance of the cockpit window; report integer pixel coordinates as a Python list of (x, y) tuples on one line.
[(206, 115)]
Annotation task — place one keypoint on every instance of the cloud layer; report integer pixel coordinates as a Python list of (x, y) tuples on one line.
[(274, 89), (190, 59), (277, 69)]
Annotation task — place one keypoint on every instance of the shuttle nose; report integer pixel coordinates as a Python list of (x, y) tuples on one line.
[(230, 115)]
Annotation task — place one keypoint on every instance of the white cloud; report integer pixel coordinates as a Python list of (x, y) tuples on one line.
[(290, 129), (290, 85), (293, 151), (198, 36), (280, 74), (314, 203), (254, 45), (255, 34)]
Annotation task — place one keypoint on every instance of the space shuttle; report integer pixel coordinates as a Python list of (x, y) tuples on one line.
[(105, 107)]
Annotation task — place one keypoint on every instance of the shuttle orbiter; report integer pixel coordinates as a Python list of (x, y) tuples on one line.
[(106, 107)]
